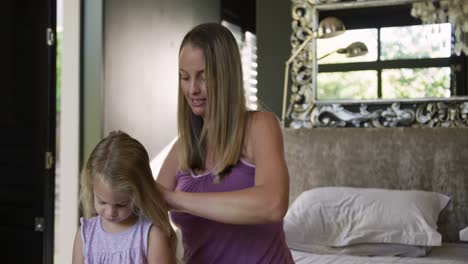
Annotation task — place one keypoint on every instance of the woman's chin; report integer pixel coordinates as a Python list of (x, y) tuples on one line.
[(198, 112)]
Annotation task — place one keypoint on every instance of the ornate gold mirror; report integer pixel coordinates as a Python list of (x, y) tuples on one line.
[(377, 63)]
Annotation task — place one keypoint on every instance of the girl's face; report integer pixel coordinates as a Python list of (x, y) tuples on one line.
[(112, 206), (192, 78)]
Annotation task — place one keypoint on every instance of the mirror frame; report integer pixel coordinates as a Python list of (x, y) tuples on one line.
[(304, 110)]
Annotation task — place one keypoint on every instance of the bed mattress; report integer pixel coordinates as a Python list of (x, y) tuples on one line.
[(447, 254)]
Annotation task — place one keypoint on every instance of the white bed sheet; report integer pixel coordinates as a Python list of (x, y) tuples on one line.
[(446, 254)]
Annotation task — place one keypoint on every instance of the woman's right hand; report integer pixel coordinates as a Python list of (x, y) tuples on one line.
[(167, 194), (170, 197)]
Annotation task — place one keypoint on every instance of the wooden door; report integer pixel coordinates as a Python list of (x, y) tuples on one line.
[(27, 130)]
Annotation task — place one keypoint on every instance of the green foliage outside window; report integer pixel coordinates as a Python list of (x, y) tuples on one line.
[(397, 43), (416, 83), (347, 85)]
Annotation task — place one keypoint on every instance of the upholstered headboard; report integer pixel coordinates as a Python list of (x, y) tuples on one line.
[(433, 159)]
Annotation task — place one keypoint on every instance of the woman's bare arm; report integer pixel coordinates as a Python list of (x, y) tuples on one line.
[(168, 171), (266, 202)]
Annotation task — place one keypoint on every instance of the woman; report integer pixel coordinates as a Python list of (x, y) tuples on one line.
[(226, 177)]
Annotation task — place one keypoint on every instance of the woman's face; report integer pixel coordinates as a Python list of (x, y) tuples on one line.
[(192, 78)]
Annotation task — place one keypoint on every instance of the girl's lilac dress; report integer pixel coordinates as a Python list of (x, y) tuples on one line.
[(127, 247)]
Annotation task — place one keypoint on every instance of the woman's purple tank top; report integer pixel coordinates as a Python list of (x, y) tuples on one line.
[(206, 241)]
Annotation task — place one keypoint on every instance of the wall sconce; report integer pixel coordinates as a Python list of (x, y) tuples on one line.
[(329, 27)]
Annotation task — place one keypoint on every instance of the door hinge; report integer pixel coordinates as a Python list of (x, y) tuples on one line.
[(50, 37), (39, 224), (49, 160)]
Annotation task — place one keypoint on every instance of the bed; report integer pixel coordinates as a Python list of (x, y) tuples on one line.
[(450, 253), (432, 160)]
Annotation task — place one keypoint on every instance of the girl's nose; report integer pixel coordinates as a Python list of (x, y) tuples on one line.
[(113, 211)]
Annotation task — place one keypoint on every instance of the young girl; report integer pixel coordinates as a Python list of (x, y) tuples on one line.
[(126, 218)]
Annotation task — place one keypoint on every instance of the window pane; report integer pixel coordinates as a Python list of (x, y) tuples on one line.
[(416, 83), (367, 36), (347, 85), (416, 42)]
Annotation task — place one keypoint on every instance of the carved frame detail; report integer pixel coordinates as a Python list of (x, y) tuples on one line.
[(304, 111)]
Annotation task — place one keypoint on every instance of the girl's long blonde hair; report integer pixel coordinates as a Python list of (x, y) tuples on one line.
[(226, 114), (122, 162)]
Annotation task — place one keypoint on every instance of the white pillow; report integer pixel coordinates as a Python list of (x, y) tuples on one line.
[(342, 216)]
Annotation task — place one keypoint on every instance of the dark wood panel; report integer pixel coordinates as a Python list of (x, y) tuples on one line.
[(13, 174), (16, 155), (25, 197), (27, 111), (22, 244), (23, 220)]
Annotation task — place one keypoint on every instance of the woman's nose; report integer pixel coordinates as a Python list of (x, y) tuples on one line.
[(194, 87)]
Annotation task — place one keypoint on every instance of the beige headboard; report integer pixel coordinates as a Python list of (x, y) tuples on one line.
[(433, 159)]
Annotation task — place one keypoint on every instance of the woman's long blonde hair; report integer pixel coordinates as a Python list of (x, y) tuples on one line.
[(226, 114), (122, 162)]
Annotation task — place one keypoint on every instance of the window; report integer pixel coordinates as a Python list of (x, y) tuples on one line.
[(248, 51), (404, 60)]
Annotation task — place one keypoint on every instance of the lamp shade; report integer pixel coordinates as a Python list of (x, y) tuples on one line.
[(330, 27), (354, 49)]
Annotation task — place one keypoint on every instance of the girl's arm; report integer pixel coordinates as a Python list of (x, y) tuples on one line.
[(159, 251), (266, 202), (78, 249)]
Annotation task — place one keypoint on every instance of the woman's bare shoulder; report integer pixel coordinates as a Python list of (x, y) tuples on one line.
[(169, 167), (258, 120), (259, 124)]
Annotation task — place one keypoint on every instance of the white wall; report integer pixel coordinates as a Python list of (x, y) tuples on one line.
[(141, 43)]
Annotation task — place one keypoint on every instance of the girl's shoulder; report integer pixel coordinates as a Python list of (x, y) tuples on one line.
[(88, 226), (145, 223), (87, 222)]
